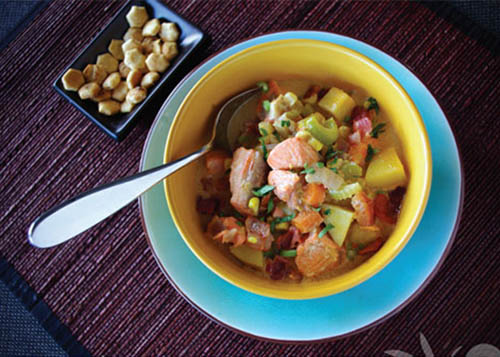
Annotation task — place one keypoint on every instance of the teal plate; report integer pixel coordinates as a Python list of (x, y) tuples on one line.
[(334, 316)]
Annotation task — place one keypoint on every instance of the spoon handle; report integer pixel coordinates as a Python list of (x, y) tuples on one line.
[(79, 213)]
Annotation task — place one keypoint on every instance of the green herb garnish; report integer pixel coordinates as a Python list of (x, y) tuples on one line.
[(288, 253), (325, 230), (327, 211), (320, 164), (347, 119), (284, 219), (262, 191), (239, 223), (308, 170), (331, 153), (264, 149), (266, 105), (334, 169), (276, 135), (379, 129), (264, 87), (270, 206), (317, 209), (373, 104), (263, 131), (268, 253), (285, 123), (370, 153)]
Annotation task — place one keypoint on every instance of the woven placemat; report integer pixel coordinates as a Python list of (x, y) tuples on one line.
[(106, 287)]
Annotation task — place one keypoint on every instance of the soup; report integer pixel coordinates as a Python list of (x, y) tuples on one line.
[(314, 186)]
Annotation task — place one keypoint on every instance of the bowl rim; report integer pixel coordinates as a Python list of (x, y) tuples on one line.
[(362, 274), (383, 318)]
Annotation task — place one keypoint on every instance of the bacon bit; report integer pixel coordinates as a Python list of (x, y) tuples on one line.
[(289, 240), (222, 184), (315, 89), (359, 112), (363, 125), (206, 183), (372, 247), (322, 93), (384, 209), (207, 205), (396, 197), (264, 202), (277, 268)]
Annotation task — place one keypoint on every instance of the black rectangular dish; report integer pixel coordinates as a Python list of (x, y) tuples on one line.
[(117, 126)]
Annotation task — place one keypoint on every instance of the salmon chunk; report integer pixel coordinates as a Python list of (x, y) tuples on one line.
[(292, 153), (259, 234), (227, 230), (317, 255), (248, 171), (284, 182)]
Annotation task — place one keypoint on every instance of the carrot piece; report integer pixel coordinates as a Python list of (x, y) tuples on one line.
[(306, 221), (372, 247), (314, 194), (382, 209), (214, 162)]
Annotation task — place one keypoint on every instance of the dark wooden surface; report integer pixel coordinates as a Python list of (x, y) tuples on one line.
[(106, 287)]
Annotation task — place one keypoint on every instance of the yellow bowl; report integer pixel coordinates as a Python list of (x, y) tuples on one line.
[(287, 59)]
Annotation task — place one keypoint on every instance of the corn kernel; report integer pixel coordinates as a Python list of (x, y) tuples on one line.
[(252, 239), (283, 226), (254, 205), (344, 131)]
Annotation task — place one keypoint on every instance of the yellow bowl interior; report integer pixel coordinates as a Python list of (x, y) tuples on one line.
[(287, 59)]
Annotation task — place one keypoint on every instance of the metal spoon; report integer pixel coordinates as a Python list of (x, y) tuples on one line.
[(80, 213)]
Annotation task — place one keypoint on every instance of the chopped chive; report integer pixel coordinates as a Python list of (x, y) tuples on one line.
[(262, 191), (266, 105), (308, 170), (370, 152), (373, 104), (317, 209), (270, 206), (239, 223), (285, 218), (325, 230), (347, 119), (264, 87), (288, 253), (327, 211), (379, 129), (285, 123), (262, 219), (264, 149), (334, 169), (263, 131), (320, 164), (276, 135)]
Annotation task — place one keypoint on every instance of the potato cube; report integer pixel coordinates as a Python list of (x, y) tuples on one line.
[(134, 78), (149, 79), (120, 92), (134, 59), (130, 44), (115, 48), (157, 63), (133, 34), (102, 95), (94, 73), (169, 50), (136, 95), (89, 90), (123, 69), (111, 81), (169, 32), (108, 62), (126, 107), (151, 28), (109, 107), (338, 103), (73, 79), (386, 171)]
